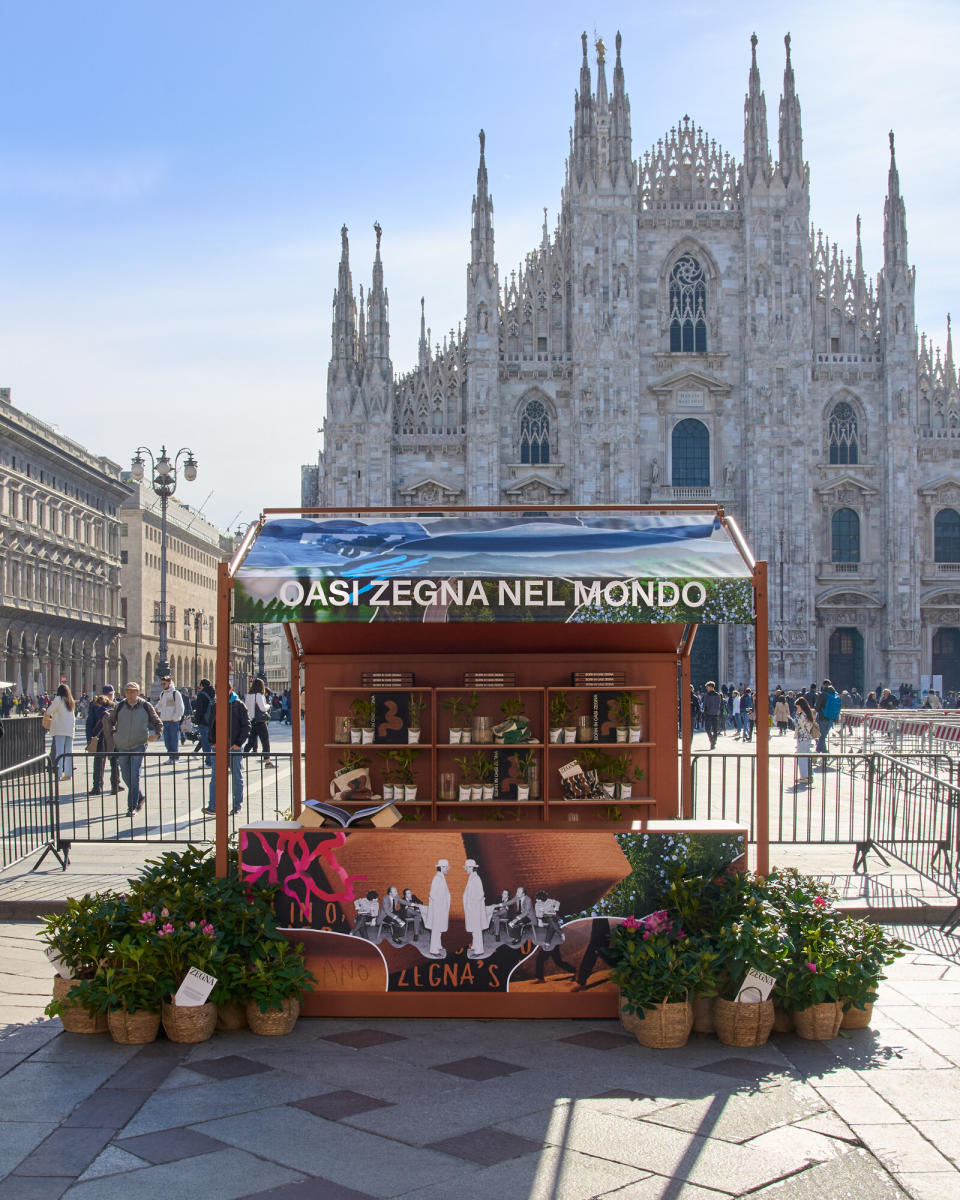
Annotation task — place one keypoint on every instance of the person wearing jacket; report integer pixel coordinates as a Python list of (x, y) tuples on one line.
[(781, 713), (201, 714), (170, 708), (712, 704), (258, 710), (97, 727), (239, 732), (826, 708), (63, 722), (132, 724)]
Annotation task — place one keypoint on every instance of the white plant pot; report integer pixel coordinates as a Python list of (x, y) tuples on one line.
[(611, 790), (465, 738), (556, 735), (623, 733), (626, 791), (463, 793), (413, 735), (523, 791), (409, 791), (476, 793), (356, 737), (570, 733), (456, 737), (367, 737), (388, 791), (486, 792), (636, 733)]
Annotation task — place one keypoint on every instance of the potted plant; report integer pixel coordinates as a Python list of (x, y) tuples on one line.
[(485, 770), (742, 1016), (187, 944), (417, 702), (77, 940), (362, 714), (404, 760), (657, 967), (627, 707), (276, 977), (559, 713), (456, 706), (525, 767), (867, 948), (127, 989), (389, 776), (470, 787), (619, 771)]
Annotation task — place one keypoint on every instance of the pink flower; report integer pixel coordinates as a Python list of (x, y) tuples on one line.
[(812, 967), (192, 925), (208, 929), (168, 928), (631, 923), (819, 902), (147, 918), (681, 934), (646, 935), (164, 912)]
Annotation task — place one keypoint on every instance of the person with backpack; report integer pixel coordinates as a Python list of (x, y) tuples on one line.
[(201, 713), (133, 723), (239, 732), (98, 729), (827, 709)]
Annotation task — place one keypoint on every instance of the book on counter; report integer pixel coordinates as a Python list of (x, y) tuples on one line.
[(322, 814)]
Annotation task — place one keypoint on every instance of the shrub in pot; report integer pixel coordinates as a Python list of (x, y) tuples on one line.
[(753, 943), (128, 987), (276, 977), (79, 938), (866, 950)]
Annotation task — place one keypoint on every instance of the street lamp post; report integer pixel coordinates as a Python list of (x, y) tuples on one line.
[(197, 614), (163, 480)]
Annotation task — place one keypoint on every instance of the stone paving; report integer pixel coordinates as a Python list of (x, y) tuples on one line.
[(521, 1110)]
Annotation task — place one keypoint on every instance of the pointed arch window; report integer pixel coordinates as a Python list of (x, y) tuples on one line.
[(946, 536), (688, 307), (690, 454), (842, 432), (845, 536), (534, 433)]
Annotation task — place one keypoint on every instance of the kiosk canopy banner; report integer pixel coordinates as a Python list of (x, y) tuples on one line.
[(641, 568)]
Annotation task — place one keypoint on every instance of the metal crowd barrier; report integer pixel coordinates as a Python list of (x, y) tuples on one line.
[(898, 731), (23, 738), (29, 820)]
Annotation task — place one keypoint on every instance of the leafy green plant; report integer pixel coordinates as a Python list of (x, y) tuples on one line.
[(404, 761), (867, 949), (353, 760), (625, 703), (472, 705), (134, 978), (513, 707), (524, 764), (561, 710), (362, 712), (456, 706), (82, 933), (654, 960), (417, 703), (276, 972)]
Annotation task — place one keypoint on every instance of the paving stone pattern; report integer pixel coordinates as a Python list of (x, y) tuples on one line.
[(347, 1109)]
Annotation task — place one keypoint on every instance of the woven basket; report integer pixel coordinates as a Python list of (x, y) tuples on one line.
[(133, 1029), (703, 1019), (231, 1016), (740, 1023), (275, 1021), (819, 1022), (782, 1020), (857, 1018), (75, 1017), (189, 1023), (666, 1026)]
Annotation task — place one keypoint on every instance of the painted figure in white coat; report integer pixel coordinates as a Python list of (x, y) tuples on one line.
[(437, 914), (476, 915)]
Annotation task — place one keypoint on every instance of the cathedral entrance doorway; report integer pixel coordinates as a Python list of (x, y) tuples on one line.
[(846, 659), (705, 655), (946, 658)]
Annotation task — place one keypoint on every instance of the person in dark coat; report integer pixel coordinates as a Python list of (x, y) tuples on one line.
[(97, 727), (239, 732)]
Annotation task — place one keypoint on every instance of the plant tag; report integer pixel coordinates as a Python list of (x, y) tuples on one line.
[(195, 989), (756, 986), (57, 963), (568, 770)]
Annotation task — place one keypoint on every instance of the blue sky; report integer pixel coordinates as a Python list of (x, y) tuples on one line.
[(173, 178)]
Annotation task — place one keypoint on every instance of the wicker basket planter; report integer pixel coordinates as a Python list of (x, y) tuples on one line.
[(703, 1017), (743, 1024), (75, 1017), (819, 1022), (275, 1021), (857, 1018), (666, 1026), (231, 1016), (133, 1029), (189, 1023), (782, 1020)]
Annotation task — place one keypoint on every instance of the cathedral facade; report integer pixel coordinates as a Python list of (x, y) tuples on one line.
[(684, 334)]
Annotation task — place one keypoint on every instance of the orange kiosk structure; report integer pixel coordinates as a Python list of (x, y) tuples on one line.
[(519, 648)]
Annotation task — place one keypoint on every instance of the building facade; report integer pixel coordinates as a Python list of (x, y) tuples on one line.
[(60, 614), (685, 334)]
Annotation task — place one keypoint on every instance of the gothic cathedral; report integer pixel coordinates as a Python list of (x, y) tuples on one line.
[(683, 334)]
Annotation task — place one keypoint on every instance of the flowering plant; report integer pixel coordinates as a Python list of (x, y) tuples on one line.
[(133, 978), (867, 949), (653, 960)]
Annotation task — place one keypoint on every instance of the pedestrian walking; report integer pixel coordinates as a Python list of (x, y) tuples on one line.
[(133, 723), (63, 724), (781, 714), (98, 728), (712, 705), (806, 726), (258, 712), (201, 718), (239, 731), (170, 709)]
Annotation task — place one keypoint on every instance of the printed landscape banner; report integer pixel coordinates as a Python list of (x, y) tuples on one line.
[(640, 568)]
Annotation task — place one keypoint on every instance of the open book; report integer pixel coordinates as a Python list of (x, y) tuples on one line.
[(382, 816)]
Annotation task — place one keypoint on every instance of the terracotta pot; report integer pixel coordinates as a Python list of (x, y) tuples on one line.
[(666, 1026), (819, 1022), (742, 1024), (857, 1018), (189, 1023), (275, 1021), (703, 1014), (782, 1020), (232, 1015), (75, 1017), (133, 1029)]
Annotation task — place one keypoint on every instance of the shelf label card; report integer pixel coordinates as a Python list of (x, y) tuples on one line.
[(756, 986), (195, 989)]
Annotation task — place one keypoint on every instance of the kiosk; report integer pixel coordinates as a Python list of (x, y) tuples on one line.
[(490, 895)]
